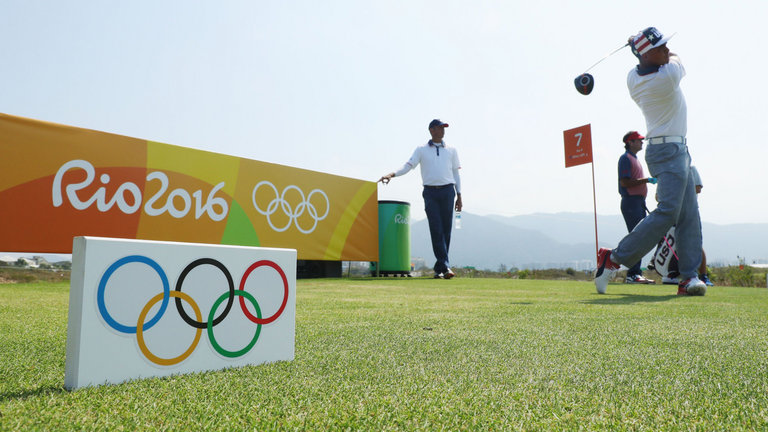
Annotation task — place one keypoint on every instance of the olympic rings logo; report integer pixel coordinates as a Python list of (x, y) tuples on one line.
[(142, 325), (292, 213)]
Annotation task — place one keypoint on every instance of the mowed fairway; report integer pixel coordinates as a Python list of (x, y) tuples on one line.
[(423, 354)]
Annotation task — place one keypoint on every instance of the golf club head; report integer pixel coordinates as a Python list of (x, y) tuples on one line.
[(584, 83)]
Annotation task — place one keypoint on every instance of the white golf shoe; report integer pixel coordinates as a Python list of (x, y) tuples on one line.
[(693, 287), (606, 270)]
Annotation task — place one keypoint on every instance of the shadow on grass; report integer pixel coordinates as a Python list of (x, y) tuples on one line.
[(625, 299), (23, 394)]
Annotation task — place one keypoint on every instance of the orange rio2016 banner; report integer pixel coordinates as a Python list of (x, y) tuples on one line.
[(58, 182)]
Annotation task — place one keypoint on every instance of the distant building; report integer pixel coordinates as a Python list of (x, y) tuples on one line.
[(34, 262)]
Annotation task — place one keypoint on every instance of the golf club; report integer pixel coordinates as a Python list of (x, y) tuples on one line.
[(585, 82)]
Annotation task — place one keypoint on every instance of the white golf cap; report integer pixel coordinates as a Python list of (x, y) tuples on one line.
[(647, 40)]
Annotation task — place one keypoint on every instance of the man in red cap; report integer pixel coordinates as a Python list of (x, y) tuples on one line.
[(633, 188)]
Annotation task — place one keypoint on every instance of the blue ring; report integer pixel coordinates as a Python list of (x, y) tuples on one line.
[(103, 284)]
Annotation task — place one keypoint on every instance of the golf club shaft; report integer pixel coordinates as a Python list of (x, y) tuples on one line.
[(671, 248), (609, 54)]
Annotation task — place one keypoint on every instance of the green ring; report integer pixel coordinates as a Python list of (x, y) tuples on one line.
[(212, 338)]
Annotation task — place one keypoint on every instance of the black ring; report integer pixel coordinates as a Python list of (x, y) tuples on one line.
[(180, 282)]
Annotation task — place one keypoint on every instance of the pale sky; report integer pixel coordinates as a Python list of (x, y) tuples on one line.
[(348, 87)]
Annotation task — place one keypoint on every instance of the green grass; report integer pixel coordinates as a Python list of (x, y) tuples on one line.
[(423, 354)]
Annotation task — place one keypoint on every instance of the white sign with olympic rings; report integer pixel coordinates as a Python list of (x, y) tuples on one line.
[(140, 309)]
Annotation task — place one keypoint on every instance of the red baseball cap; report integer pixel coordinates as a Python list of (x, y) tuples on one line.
[(632, 135)]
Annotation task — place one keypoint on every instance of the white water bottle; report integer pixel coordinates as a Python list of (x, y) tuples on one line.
[(457, 220)]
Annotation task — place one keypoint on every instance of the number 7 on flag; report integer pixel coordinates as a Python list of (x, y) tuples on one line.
[(578, 145)]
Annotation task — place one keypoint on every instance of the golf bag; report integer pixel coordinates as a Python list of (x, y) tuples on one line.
[(664, 260)]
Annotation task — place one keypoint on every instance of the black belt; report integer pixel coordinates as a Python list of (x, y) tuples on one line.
[(439, 187)]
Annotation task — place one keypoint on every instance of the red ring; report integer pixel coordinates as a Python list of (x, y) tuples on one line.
[(279, 312)]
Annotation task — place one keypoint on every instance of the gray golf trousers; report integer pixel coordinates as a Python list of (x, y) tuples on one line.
[(677, 205)]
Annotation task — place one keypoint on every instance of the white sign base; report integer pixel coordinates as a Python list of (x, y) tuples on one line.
[(140, 309)]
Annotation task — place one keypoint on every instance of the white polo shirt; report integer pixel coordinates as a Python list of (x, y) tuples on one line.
[(659, 96), (439, 165)]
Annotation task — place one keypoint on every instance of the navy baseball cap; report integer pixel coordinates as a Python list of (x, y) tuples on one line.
[(437, 122), (647, 40)]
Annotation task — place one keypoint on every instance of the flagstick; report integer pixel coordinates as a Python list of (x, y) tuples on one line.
[(594, 203), (579, 153)]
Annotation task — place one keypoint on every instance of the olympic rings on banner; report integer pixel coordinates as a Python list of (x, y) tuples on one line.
[(197, 322), (293, 214)]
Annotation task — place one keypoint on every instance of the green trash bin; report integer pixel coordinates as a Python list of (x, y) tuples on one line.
[(394, 238)]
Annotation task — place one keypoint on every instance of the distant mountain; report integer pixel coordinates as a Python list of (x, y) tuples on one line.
[(561, 240), (570, 228)]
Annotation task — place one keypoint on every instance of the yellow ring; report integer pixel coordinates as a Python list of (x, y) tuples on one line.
[(140, 333)]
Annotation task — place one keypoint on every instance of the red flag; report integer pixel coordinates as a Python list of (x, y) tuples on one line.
[(578, 145)]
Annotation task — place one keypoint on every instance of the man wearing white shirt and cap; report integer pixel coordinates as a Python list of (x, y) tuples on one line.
[(655, 86), (442, 184)]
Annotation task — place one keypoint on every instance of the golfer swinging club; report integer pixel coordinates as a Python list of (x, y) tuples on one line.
[(442, 183), (655, 86)]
